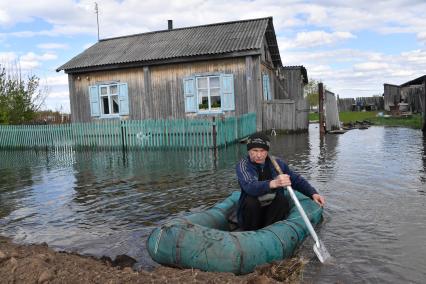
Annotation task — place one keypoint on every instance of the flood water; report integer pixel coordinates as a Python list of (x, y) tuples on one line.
[(106, 203)]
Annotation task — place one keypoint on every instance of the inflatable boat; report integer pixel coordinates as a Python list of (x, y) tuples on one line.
[(208, 241)]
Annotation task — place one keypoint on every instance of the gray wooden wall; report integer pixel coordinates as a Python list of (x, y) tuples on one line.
[(391, 95), (413, 95), (156, 91), (293, 83), (365, 101), (346, 104), (286, 115), (332, 121)]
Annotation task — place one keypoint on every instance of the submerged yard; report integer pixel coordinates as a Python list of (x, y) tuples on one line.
[(107, 202), (413, 121)]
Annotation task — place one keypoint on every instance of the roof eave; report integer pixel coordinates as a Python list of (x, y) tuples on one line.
[(158, 62)]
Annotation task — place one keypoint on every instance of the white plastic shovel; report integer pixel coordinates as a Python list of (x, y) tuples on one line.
[(319, 248)]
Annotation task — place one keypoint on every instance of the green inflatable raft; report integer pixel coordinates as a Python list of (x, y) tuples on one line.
[(204, 240)]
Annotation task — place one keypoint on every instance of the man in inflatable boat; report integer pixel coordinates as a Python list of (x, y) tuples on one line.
[(262, 201)]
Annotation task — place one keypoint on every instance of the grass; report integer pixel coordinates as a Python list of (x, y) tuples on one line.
[(415, 121)]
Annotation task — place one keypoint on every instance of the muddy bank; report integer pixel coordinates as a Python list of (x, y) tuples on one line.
[(40, 264)]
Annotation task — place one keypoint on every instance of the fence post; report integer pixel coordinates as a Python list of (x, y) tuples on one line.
[(321, 108), (214, 132)]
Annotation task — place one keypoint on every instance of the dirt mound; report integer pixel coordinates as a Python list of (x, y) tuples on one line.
[(40, 264)]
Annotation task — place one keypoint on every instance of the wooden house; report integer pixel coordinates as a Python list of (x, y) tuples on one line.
[(224, 69)]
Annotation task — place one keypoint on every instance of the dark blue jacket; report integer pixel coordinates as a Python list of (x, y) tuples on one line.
[(248, 179)]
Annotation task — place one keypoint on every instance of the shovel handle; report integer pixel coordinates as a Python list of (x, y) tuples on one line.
[(297, 203)]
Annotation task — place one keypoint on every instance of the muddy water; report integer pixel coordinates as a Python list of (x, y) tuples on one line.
[(106, 203)]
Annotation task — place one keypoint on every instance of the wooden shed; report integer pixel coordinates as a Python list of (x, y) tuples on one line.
[(391, 96), (224, 69)]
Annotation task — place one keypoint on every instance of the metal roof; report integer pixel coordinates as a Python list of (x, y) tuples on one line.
[(416, 81), (207, 40), (301, 68)]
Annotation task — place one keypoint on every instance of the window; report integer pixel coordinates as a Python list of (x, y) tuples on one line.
[(208, 89), (109, 100), (209, 94), (266, 88)]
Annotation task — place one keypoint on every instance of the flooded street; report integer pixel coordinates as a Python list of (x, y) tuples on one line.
[(106, 203)]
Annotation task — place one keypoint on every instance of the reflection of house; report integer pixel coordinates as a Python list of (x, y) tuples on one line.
[(411, 93), (224, 69)]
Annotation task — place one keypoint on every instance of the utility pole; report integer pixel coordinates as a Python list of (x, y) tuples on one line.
[(424, 106), (97, 17), (321, 109)]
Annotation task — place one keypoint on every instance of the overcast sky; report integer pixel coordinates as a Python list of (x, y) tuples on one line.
[(352, 46)]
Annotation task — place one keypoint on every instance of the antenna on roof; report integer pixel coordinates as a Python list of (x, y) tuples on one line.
[(97, 17)]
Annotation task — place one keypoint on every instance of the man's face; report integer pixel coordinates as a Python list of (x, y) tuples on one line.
[(258, 155)]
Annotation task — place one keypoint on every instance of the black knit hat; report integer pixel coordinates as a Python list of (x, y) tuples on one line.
[(258, 140)]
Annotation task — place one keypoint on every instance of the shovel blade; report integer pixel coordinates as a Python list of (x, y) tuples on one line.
[(321, 252)]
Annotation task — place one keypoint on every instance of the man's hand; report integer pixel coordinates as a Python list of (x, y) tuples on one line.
[(318, 199), (280, 181)]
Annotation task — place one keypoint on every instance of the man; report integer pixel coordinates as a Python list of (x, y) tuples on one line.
[(262, 201)]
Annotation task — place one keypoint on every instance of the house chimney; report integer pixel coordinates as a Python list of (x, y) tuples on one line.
[(170, 23)]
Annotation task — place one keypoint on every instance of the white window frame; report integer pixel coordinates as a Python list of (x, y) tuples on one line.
[(110, 96), (209, 109)]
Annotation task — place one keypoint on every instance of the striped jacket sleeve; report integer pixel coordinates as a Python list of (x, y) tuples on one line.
[(248, 180)]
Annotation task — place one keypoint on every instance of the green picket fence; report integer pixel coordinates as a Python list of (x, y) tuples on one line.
[(106, 134)]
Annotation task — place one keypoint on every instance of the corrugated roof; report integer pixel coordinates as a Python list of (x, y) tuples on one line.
[(416, 81), (207, 40), (302, 69)]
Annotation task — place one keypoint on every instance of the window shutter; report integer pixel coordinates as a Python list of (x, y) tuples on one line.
[(228, 100), (189, 94), (123, 98), (266, 88), (94, 100)]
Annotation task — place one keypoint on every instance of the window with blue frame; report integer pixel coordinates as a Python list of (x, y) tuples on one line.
[(209, 93), (266, 88), (109, 100)]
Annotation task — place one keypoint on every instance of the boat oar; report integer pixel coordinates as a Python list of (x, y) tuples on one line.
[(319, 248)]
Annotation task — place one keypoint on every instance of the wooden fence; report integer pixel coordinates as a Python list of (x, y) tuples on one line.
[(136, 134), (286, 115), (332, 121), (353, 104)]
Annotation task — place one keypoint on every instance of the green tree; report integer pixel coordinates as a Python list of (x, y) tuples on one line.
[(20, 98), (311, 91)]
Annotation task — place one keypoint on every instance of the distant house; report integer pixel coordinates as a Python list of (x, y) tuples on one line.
[(223, 69)]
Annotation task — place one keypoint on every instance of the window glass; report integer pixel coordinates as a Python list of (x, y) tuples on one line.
[(113, 89), (203, 99), (214, 82), (104, 90), (115, 104), (215, 92), (202, 83), (215, 102), (105, 105)]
